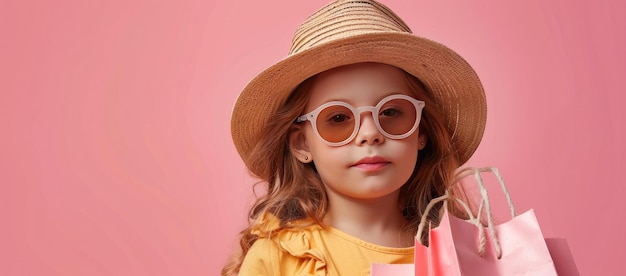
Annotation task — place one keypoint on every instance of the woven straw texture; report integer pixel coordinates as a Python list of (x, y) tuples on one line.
[(348, 32)]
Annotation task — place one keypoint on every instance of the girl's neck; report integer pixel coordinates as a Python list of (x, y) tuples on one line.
[(378, 221)]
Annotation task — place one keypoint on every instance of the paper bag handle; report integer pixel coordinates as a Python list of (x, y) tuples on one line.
[(472, 219), (483, 203), (485, 200), (483, 190)]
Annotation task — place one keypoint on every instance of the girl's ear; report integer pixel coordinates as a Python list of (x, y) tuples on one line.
[(422, 140), (298, 144)]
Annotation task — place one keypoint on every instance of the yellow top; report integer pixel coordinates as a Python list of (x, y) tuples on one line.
[(314, 250)]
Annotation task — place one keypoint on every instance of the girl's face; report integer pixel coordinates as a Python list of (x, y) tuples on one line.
[(371, 165)]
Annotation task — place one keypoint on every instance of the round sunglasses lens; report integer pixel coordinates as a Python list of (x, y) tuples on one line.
[(335, 123), (397, 116)]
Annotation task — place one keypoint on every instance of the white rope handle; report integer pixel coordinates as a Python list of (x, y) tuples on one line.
[(487, 204), (484, 203), (431, 204), (472, 219), (465, 172)]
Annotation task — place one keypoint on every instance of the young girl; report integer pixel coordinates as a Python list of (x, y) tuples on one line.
[(352, 134)]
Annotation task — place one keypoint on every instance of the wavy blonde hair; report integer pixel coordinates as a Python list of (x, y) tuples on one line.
[(294, 190)]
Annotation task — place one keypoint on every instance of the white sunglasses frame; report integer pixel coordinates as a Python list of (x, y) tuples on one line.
[(312, 117)]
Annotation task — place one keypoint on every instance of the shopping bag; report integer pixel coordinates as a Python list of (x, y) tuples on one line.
[(459, 247), (466, 247), (562, 257), (559, 251), (392, 269)]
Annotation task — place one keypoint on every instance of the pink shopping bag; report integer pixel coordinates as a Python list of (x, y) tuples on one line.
[(459, 247), (392, 270), (562, 257), (559, 250), (454, 249)]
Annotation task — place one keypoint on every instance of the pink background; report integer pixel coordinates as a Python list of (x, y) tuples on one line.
[(115, 150)]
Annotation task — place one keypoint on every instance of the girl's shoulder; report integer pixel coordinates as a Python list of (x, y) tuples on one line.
[(285, 250), (306, 246), (295, 237)]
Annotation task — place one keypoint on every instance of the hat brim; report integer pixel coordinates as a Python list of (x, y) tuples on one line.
[(452, 81)]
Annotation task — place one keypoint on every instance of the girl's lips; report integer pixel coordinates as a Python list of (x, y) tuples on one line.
[(371, 167), (374, 163)]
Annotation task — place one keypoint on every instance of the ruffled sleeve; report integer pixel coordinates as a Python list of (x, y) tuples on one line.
[(310, 260), (283, 252)]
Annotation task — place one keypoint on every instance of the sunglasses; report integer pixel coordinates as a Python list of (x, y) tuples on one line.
[(337, 123)]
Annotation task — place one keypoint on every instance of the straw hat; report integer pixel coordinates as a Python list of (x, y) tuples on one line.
[(347, 32)]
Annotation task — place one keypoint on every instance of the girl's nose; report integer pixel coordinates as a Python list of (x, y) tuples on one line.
[(368, 133)]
